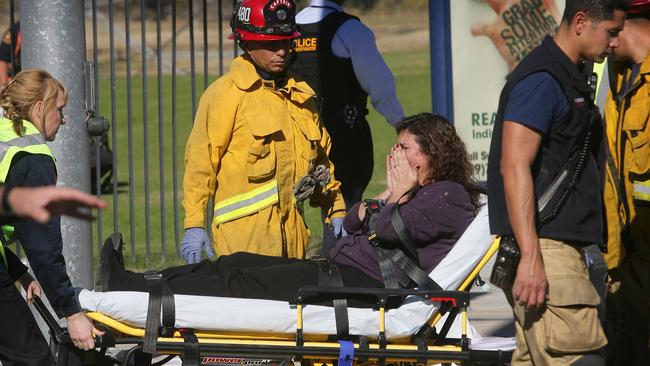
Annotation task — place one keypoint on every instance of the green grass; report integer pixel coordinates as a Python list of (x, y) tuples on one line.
[(411, 71)]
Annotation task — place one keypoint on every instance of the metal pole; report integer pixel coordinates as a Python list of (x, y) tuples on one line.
[(98, 163), (54, 39), (114, 123), (129, 106), (161, 136), (190, 12), (205, 44), (220, 37), (145, 120), (174, 133), (442, 93)]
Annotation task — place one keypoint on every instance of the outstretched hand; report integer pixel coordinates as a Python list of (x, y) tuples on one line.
[(41, 204)]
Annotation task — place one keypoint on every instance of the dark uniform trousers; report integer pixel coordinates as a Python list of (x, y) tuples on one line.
[(21, 341), (244, 275)]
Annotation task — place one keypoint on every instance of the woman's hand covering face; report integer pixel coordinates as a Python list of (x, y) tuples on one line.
[(403, 176)]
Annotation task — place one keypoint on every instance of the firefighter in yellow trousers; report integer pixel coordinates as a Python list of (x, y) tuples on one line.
[(256, 136), (627, 192)]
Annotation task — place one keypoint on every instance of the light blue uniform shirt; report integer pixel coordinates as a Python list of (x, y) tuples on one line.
[(356, 41)]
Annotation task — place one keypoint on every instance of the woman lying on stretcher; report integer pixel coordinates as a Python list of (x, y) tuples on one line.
[(428, 174)]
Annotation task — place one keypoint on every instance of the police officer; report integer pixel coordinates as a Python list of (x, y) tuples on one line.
[(547, 124), (10, 44), (338, 57), (627, 192), (256, 136)]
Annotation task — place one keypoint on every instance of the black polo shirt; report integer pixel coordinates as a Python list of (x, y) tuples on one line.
[(579, 220)]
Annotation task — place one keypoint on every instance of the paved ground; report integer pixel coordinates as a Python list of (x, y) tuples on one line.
[(489, 311)]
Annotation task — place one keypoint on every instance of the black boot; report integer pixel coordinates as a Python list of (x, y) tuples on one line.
[(111, 259)]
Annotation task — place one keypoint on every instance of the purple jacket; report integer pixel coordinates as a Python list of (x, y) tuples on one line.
[(436, 217)]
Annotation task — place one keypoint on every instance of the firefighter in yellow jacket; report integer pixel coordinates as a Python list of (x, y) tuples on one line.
[(627, 192), (627, 114), (257, 147)]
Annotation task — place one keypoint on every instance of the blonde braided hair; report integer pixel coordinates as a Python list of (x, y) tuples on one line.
[(26, 89)]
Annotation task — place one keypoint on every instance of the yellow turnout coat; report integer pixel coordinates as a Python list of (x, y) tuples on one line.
[(249, 145), (627, 181)]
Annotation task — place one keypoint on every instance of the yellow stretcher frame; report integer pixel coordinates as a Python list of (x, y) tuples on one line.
[(197, 346)]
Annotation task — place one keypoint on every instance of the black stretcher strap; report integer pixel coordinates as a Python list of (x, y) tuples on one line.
[(161, 299), (410, 269), (403, 234), (386, 267), (168, 311), (191, 355), (390, 258), (329, 275)]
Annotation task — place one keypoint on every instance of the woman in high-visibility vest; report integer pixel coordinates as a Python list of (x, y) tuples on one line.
[(33, 105)]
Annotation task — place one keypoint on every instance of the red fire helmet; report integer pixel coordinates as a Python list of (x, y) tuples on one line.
[(263, 20)]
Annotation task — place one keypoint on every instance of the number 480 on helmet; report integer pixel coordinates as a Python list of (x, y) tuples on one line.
[(263, 20)]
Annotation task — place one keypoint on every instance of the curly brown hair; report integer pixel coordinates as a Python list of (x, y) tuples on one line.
[(448, 158)]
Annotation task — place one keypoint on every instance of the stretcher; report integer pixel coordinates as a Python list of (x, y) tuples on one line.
[(429, 327)]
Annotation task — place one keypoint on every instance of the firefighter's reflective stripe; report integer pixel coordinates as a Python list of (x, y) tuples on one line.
[(247, 203), (642, 191)]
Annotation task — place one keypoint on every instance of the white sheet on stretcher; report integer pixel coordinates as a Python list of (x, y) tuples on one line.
[(251, 315)]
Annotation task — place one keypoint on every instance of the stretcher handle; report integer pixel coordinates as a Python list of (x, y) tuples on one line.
[(61, 335), (103, 341), (455, 298), (55, 329)]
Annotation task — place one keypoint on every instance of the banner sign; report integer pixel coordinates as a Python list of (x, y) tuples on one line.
[(489, 38)]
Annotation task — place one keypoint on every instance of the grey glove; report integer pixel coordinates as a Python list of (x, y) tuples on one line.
[(195, 240), (337, 228)]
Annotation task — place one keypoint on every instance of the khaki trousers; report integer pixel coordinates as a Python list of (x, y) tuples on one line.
[(567, 326)]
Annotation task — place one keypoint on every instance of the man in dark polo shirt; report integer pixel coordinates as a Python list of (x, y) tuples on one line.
[(546, 124)]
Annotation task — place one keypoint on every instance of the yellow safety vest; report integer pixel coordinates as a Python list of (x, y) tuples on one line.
[(31, 142)]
